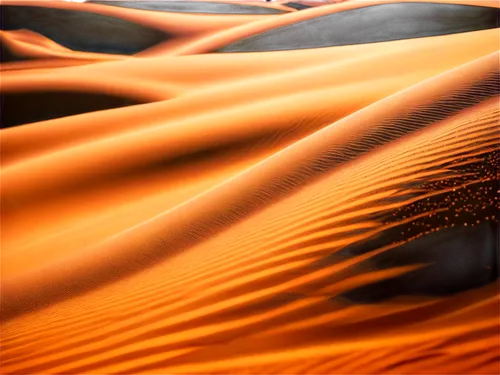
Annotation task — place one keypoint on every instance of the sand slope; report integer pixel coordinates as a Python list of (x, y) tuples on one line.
[(142, 146), (210, 301), (313, 27), (25, 45), (112, 29), (235, 214), (205, 7)]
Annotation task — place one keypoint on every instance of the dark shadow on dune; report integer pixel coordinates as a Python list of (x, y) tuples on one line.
[(297, 6), (82, 31), (462, 254), (371, 24), (6, 55), (28, 107), (193, 7), (212, 219)]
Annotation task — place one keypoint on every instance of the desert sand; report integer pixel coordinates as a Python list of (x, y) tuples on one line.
[(222, 212)]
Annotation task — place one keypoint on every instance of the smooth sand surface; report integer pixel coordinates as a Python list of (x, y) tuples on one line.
[(218, 226), (25, 45), (115, 30), (246, 33), (200, 7)]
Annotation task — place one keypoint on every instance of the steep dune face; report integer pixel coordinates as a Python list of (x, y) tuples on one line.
[(178, 209), (282, 241), (203, 84), (124, 166)]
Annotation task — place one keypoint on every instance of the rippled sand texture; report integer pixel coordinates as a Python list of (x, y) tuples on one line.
[(172, 203)]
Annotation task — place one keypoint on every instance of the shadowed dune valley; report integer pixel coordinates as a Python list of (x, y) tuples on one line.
[(250, 187)]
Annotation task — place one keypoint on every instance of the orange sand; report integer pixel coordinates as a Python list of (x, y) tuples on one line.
[(110, 198)]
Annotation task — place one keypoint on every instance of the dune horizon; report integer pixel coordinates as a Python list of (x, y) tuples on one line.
[(250, 187)]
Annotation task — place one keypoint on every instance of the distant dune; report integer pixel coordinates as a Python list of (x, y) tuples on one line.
[(111, 29), (30, 50), (221, 187), (83, 31), (380, 23), (24, 44), (312, 28), (207, 7)]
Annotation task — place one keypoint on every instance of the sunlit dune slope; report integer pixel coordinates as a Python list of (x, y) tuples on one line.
[(101, 28), (49, 98), (35, 45), (318, 27), (118, 158), (273, 271), (213, 195), (24, 45)]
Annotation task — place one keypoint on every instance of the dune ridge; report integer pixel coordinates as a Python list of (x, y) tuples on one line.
[(243, 34), (212, 302), (27, 46), (173, 126), (451, 104), (112, 30), (252, 66), (325, 210), (203, 7)]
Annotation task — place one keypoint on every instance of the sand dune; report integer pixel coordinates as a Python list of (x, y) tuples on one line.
[(177, 209), (209, 304), (27, 42), (25, 45), (311, 28), (154, 142), (202, 6), (263, 77), (131, 30), (381, 23)]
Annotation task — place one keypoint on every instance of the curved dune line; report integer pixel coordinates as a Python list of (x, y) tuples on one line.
[(28, 44), (212, 71), (140, 29), (362, 212), (263, 265), (65, 95), (19, 140), (73, 210), (224, 37), (21, 44), (29, 37), (143, 360), (381, 23), (49, 63), (18, 254), (62, 81), (176, 24), (204, 7), (446, 107), (57, 97), (236, 224)]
